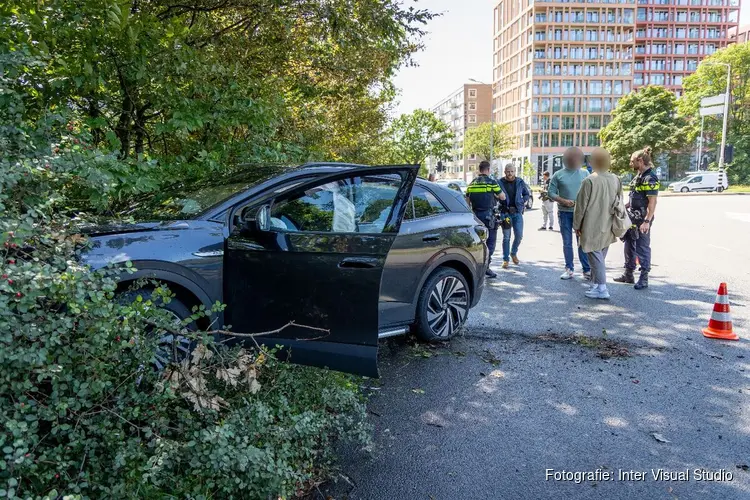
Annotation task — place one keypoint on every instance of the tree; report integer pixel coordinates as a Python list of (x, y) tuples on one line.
[(414, 137), (710, 80), (477, 140), (212, 83), (643, 118)]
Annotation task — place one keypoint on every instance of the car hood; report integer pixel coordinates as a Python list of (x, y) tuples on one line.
[(124, 228)]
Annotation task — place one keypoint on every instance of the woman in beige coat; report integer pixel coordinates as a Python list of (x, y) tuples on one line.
[(593, 218)]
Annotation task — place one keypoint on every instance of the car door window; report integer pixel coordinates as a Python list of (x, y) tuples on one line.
[(422, 204), (695, 180), (351, 205)]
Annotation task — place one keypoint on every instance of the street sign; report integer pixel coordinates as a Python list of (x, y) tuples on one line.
[(713, 110), (717, 100)]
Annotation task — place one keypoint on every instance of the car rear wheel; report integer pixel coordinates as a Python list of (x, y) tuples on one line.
[(530, 203), (720, 189), (170, 348), (443, 305), (685, 189)]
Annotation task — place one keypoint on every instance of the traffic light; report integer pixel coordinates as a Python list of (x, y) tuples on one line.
[(440, 167), (728, 153)]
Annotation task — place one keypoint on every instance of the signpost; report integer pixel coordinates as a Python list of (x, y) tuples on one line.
[(712, 110), (711, 106)]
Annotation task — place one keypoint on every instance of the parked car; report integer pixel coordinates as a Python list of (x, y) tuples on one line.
[(364, 252), (700, 181)]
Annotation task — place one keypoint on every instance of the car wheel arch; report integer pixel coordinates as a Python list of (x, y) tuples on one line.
[(185, 289)]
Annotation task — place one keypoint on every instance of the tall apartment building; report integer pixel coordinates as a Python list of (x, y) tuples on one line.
[(561, 66), (740, 34), (463, 109)]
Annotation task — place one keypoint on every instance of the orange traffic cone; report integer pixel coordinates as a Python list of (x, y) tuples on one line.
[(720, 324)]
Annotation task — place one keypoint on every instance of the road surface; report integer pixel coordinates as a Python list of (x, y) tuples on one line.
[(517, 398)]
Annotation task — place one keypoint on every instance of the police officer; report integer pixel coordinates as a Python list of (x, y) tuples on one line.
[(483, 194), (644, 188)]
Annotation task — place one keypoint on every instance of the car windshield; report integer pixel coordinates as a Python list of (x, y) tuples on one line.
[(197, 201), (687, 178)]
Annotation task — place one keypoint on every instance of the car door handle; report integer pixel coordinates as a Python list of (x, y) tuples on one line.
[(359, 263), (431, 237)]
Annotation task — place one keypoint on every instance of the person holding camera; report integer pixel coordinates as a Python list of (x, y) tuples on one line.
[(483, 194), (548, 206), (517, 193)]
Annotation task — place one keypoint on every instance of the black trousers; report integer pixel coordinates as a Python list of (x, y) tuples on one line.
[(638, 246), (488, 221)]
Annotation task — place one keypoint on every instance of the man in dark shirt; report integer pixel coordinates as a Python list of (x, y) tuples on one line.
[(483, 194), (516, 196)]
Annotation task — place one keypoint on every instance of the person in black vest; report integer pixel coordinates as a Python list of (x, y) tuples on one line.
[(483, 194), (644, 188)]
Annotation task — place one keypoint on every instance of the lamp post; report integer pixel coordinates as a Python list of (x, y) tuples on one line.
[(492, 119)]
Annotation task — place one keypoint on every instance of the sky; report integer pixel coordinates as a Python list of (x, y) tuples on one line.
[(458, 47)]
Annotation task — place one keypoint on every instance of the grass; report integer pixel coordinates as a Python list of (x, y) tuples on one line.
[(738, 189)]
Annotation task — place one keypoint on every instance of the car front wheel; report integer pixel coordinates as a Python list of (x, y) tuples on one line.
[(443, 305), (685, 189), (170, 348)]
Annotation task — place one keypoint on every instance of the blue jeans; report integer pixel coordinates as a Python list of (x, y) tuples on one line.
[(516, 221), (566, 230)]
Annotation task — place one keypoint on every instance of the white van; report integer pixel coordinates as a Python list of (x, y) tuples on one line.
[(700, 181)]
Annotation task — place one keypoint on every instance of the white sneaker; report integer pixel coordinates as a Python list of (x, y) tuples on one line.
[(598, 293), (567, 275)]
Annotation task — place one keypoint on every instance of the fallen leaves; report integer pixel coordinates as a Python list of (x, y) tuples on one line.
[(418, 391)]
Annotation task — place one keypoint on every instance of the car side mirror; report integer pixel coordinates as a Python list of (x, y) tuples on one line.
[(263, 218)]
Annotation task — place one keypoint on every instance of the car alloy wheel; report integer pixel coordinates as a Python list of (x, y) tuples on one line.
[(170, 347), (443, 306), (685, 189)]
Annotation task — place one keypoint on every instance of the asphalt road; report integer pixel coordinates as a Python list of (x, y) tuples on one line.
[(486, 416)]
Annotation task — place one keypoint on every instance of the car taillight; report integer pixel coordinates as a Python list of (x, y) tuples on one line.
[(482, 232)]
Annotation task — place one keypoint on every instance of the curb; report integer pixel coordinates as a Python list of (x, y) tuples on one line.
[(703, 194)]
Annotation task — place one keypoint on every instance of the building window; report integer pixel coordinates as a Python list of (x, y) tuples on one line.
[(472, 93), (473, 156), (472, 106), (472, 118)]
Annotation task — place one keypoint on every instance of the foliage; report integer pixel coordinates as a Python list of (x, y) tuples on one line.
[(528, 172), (191, 90), (641, 119), (81, 410), (710, 80), (415, 137), (477, 141)]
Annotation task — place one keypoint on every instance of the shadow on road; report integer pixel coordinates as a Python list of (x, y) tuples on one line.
[(487, 415)]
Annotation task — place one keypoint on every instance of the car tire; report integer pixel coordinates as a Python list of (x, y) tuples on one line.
[(685, 190), (530, 203), (170, 348), (720, 189), (443, 305)]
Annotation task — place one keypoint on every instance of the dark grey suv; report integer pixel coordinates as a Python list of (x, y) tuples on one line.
[(363, 252)]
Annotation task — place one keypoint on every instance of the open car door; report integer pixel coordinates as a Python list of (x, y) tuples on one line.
[(313, 256)]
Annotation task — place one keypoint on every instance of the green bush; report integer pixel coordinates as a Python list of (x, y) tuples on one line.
[(81, 410)]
